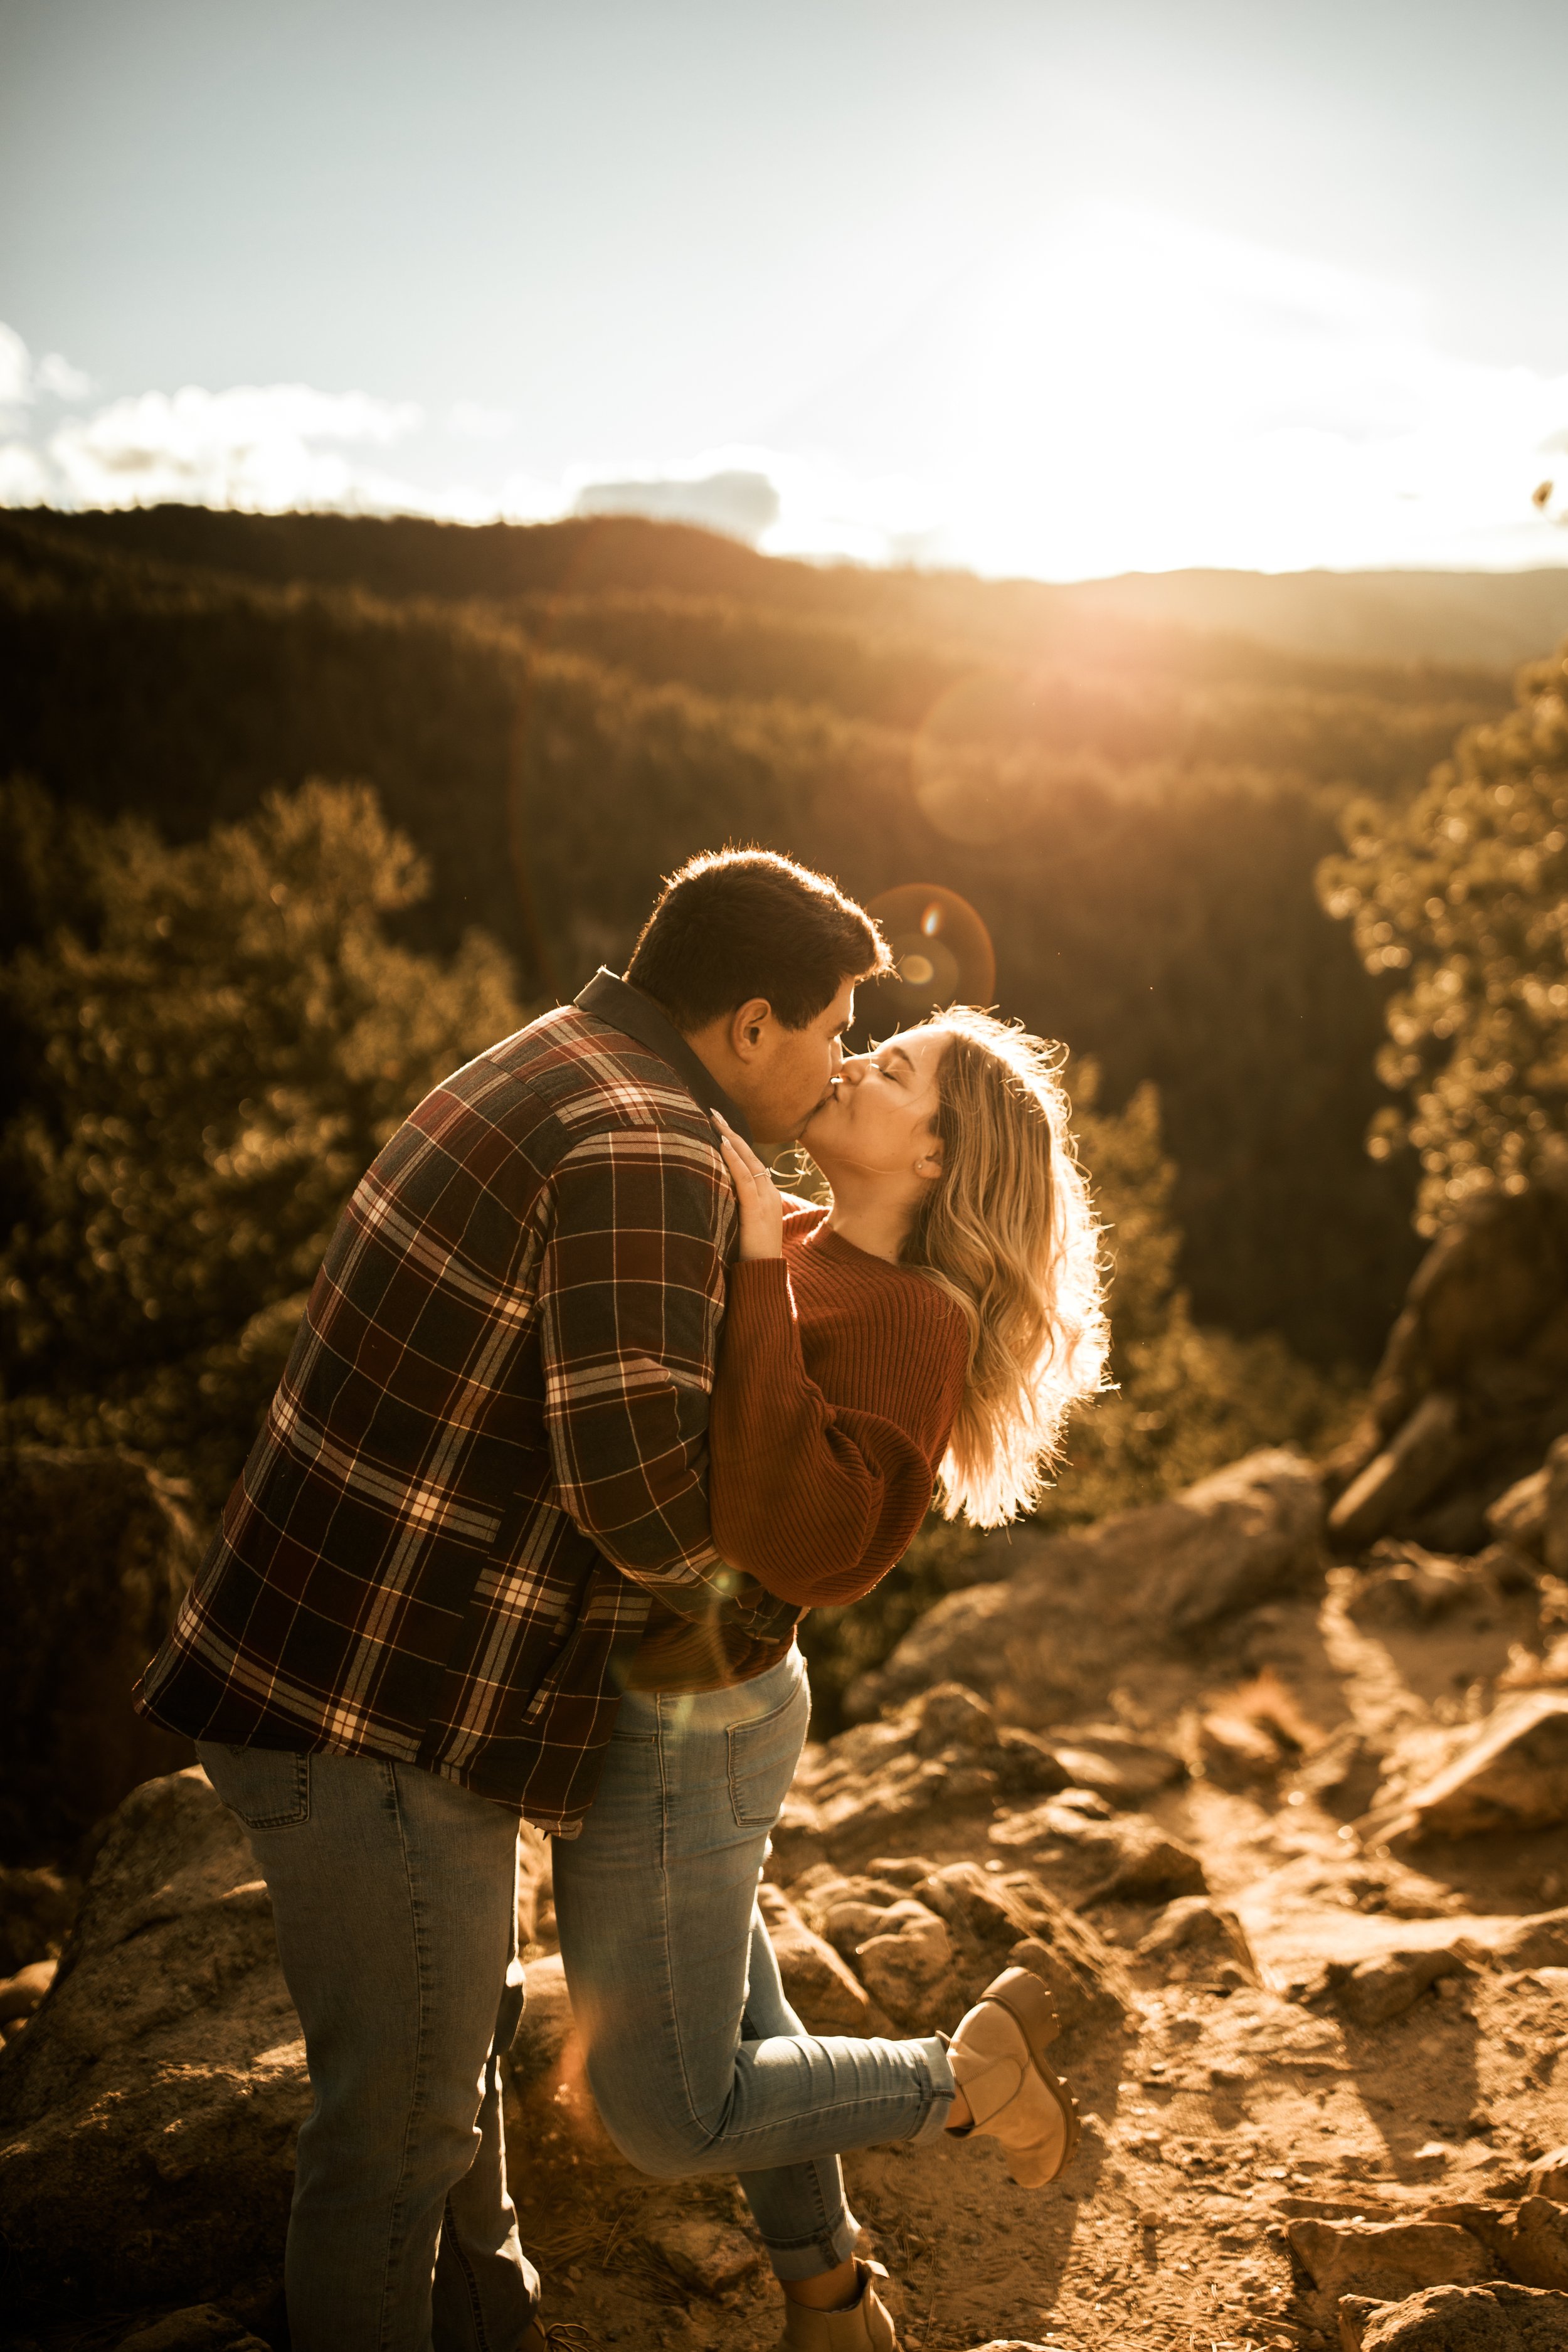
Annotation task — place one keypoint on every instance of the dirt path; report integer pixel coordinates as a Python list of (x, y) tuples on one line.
[(1228, 2110)]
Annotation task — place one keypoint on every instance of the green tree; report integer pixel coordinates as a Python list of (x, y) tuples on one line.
[(208, 1044), (1465, 892)]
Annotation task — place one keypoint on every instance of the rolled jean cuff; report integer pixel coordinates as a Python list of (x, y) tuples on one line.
[(940, 2088), (833, 2244)]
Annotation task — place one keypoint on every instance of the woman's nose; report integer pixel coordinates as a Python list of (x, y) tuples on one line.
[(855, 1069)]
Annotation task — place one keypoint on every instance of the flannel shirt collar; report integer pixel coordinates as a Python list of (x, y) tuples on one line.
[(625, 1008)]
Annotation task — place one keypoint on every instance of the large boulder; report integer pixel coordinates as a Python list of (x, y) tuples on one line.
[(824, 1993), (1485, 1300), (945, 1753), (148, 2109), (1061, 1627), (1538, 1939), (907, 1963), (1195, 1937), (1528, 2241), (1148, 1865), (1549, 2176), (1106, 1758), (1499, 2317), (1419, 1458), (1406, 1589), (925, 1939), (548, 2106), (1511, 1776), (1386, 2259), (1385, 1984), (1115, 1858), (96, 1550), (1473, 1384), (37, 1907), (1532, 1516)]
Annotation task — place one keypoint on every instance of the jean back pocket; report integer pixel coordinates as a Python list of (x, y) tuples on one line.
[(267, 1788), (764, 1754)]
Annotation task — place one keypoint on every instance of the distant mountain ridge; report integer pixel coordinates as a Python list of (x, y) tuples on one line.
[(1484, 619), (1464, 617)]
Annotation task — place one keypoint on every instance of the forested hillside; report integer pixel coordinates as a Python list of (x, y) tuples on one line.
[(554, 715), (1489, 617)]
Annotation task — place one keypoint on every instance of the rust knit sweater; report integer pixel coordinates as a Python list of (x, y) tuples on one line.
[(839, 1376)]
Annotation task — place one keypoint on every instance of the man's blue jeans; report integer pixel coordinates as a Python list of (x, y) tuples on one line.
[(696, 2060), (395, 1898)]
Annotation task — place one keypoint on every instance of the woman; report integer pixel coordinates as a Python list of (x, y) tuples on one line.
[(933, 1327)]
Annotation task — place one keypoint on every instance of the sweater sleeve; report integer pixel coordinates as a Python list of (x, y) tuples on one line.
[(817, 1501)]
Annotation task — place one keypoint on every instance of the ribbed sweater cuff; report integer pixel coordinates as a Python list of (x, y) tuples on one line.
[(756, 1280)]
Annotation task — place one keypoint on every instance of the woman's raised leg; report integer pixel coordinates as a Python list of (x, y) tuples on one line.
[(695, 2059)]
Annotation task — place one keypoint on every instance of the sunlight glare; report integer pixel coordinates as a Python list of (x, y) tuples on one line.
[(1120, 391)]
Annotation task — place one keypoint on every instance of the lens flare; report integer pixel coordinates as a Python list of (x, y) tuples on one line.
[(941, 951)]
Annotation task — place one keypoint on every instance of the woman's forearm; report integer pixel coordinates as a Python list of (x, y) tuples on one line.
[(815, 1501)]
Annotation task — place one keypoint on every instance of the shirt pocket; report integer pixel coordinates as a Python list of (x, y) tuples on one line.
[(764, 1754)]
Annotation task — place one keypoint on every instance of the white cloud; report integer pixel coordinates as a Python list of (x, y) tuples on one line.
[(531, 498), (56, 374), (254, 446), (264, 448), (827, 511), (15, 370), (22, 380), (471, 420), (24, 476)]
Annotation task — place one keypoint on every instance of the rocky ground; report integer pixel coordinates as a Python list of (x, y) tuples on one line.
[(1268, 1786), (1315, 2041), (1293, 1877)]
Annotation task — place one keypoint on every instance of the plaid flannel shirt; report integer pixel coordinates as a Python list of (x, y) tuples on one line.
[(489, 1449)]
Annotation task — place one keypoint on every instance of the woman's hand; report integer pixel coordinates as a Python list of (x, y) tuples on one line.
[(762, 1206)]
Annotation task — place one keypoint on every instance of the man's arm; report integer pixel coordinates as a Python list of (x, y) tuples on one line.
[(631, 1296)]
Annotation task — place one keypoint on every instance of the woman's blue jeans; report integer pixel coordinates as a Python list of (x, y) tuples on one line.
[(696, 2060)]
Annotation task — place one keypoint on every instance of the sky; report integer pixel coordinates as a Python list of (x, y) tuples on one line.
[(1015, 285)]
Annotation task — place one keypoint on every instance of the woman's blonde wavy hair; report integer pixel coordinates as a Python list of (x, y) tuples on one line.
[(1009, 1234)]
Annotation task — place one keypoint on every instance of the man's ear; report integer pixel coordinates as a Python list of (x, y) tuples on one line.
[(749, 1026)]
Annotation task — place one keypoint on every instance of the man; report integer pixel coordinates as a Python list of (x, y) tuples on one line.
[(485, 1464)]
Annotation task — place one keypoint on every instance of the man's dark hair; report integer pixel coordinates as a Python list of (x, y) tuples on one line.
[(738, 923)]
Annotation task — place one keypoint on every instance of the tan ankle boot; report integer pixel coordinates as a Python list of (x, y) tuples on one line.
[(866, 2326), (998, 2060)]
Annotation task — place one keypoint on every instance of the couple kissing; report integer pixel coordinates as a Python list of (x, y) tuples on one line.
[(583, 1416)]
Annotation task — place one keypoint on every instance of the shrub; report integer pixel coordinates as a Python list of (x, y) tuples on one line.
[(209, 1044), (1465, 892)]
